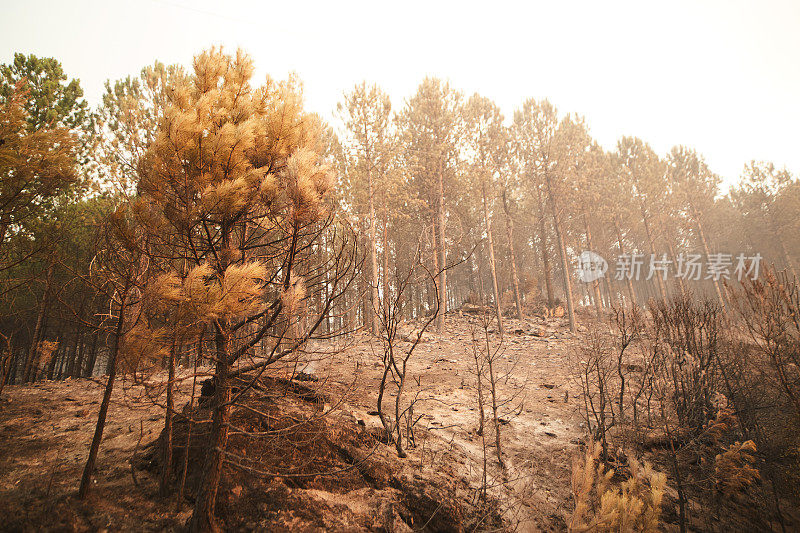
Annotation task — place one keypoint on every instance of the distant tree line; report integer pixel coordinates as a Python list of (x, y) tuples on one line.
[(517, 199)]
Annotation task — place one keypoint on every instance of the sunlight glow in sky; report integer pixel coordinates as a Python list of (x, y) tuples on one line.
[(720, 76)]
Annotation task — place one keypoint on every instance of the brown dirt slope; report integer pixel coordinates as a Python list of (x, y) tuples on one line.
[(45, 430)]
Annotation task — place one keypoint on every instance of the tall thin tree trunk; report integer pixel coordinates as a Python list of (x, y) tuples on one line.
[(782, 246), (786, 258), (373, 252), (514, 275), (7, 361), (707, 251), (661, 288), (365, 292), (609, 298), (681, 285), (77, 370), (548, 274), (86, 478), (598, 300), (325, 291), (92, 358), (492, 264), (5, 223), (37, 330), (563, 251), (73, 358), (189, 421), (14, 368), (434, 240), (442, 252), (621, 252), (166, 463), (385, 278)]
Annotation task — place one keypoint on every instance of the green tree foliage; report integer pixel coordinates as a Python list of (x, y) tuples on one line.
[(127, 120), (48, 98)]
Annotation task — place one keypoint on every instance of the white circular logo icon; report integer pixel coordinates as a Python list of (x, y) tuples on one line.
[(591, 266)]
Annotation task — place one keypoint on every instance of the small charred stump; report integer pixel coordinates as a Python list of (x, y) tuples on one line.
[(150, 459)]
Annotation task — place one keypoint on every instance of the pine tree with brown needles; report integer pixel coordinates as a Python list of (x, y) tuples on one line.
[(231, 187), (37, 166)]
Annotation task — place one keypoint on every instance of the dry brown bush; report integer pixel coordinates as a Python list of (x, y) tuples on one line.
[(601, 505)]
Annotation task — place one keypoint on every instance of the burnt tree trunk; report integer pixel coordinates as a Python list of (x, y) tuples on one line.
[(203, 516), (166, 465), (622, 252), (514, 274), (563, 252), (441, 252), (598, 299), (492, 264), (661, 288), (707, 251), (92, 359), (30, 371), (374, 324), (548, 273), (86, 478)]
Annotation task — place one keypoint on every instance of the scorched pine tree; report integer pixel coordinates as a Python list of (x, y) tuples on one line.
[(231, 185)]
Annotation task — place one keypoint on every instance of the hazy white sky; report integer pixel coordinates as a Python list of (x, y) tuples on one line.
[(720, 76)]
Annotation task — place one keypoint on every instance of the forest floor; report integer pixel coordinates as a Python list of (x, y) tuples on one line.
[(46, 428), (540, 425)]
